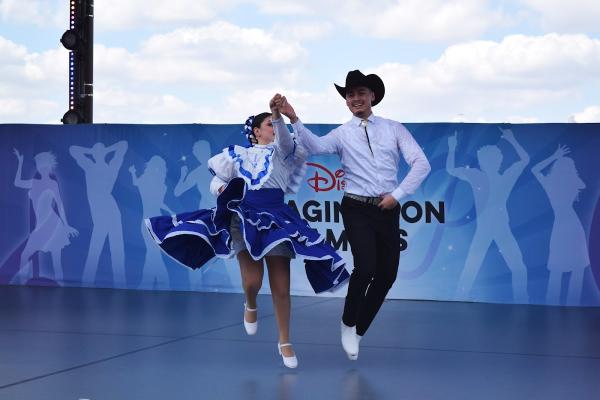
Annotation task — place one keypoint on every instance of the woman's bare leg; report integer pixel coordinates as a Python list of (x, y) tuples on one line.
[(279, 280), (252, 272)]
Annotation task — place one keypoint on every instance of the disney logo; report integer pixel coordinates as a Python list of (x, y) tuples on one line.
[(324, 180)]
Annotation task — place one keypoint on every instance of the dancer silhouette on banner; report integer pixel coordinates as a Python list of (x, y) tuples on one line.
[(152, 187), (491, 190), (568, 244), (51, 232), (214, 273), (100, 176), (198, 176)]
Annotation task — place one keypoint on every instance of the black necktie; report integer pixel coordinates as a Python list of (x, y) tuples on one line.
[(364, 123)]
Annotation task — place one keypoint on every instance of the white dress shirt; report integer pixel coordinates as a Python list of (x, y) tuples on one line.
[(371, 172)]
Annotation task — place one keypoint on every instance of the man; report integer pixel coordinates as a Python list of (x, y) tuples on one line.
[(370, 148), (100, 178)]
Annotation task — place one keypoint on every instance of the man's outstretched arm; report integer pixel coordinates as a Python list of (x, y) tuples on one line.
[(328, 144)]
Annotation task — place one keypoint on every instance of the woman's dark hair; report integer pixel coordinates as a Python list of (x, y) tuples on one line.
[(251, 123), (258, 119)]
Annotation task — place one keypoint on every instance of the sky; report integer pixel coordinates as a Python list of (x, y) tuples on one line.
[(218, 61)]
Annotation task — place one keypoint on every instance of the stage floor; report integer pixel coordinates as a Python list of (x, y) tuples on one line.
[(117, 344)]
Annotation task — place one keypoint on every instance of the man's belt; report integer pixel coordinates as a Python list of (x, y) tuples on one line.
[(364, 199)]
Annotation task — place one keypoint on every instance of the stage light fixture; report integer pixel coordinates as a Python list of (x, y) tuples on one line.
[(72, 117), (70, 39)]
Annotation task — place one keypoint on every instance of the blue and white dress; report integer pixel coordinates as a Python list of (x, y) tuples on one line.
[(256, 180)]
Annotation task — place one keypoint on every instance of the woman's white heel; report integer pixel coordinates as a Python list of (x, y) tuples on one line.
[(290, 362), (251, 327)]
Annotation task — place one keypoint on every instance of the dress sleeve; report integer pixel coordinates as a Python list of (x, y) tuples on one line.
[(215, 184), (297, 162), (283, 138), (222, 166)]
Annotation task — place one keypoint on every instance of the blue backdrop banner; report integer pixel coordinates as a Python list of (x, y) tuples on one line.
[(509, 213)]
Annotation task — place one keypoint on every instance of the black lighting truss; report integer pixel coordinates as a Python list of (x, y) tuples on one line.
[(79, 40)]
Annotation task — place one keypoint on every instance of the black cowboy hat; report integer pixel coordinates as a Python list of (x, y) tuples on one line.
[(356, 79)]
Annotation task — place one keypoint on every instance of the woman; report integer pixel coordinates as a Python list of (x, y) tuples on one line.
[(52, 232), (563, 185), (153, 189), (252, 221)]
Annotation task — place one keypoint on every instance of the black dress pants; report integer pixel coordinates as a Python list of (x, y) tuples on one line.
[(374, 237)]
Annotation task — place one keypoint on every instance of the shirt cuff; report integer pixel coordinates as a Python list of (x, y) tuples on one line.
[(297, 125), (398, 193), (215, 184)]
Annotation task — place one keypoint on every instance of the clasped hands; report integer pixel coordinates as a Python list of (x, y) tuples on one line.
[(279, 104)]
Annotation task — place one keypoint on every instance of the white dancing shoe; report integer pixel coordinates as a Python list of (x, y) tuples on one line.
[(350, 341), (251, 327), (290, 362)]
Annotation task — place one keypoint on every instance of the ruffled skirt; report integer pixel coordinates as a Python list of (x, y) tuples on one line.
[(195, 237)]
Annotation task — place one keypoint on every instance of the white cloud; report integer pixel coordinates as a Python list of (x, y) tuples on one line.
[(31, 110), (278, 7), (131, 14), (221, 72), (122, 105), (218, 54), (215, 60), (11, 107), (11, 52), (199, 65), (573, 16), (589, 114), (35, 12), (32, 85), (546, 61), (303, 31), (117, 14), (28, 71), (321, 107), (494, 80), (432, 20)]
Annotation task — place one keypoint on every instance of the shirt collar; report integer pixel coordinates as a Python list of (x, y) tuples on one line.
[(356, 121)]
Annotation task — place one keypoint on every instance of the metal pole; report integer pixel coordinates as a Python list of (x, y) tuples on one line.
[(88, 65)]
